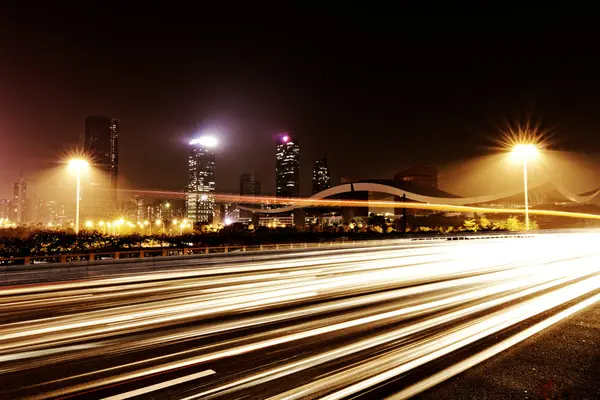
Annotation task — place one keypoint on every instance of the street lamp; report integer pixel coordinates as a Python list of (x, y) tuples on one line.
[(524, 152), (78, 165)]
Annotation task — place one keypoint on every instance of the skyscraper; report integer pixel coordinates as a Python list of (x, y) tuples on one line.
[(321, 179), (287, 167), (138, 204), (250, 184), (20, 202), (200, 201), (4, 208), (102, 143)]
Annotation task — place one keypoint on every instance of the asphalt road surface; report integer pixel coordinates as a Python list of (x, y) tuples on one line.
[(393, 321)]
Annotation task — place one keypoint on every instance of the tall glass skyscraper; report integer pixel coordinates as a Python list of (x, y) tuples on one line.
[(102, 141), (321, 179), (20, 215), (287, 167), (200, 200), (102, 145)]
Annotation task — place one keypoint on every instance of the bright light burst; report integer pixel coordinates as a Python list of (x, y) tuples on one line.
[(525, 151), (524, 134), (78, 164), (205, 141)]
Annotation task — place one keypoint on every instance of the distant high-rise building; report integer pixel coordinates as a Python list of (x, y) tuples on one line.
[(287, 167), (49, 215), (200, 200), (138, 203), (4, 208), (102, 142), (250, 184), (20, 202), (321, 179)]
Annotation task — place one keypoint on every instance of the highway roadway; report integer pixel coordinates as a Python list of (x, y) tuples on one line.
[(386, 321)]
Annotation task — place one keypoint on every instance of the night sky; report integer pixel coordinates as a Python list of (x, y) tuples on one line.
[(373, 91)]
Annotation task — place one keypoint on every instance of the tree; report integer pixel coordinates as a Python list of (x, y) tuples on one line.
[(484, 223), (470, 225), (377, 220), (513, 224), (377, 229), (533, 226)]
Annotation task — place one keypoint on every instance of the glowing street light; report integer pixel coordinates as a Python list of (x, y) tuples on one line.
[(89, 224), (524, 152), (79, 166)]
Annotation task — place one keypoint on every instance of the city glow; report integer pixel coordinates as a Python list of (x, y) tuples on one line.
[(205, 141)]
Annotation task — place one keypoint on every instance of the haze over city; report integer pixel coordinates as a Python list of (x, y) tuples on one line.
[(372, 101)]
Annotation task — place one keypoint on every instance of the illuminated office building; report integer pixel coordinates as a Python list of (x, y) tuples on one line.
[(200, 201), (287, 167)]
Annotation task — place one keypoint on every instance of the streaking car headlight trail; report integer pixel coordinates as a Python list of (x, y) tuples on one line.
[(327, 324)]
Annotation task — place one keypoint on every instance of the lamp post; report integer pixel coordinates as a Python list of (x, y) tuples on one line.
[(78, 165), (525, 152)]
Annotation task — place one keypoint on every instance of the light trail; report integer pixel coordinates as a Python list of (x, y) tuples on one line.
[(310, 202), (331, 324)]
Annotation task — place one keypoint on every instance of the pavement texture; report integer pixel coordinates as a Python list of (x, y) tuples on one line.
[(561, 362)]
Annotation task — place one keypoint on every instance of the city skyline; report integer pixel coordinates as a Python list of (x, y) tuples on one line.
[(354, 97)]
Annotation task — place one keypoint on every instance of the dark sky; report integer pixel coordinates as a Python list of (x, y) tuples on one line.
[(374, 91)]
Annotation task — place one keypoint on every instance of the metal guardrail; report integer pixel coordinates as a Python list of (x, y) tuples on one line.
[(143, 253)]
